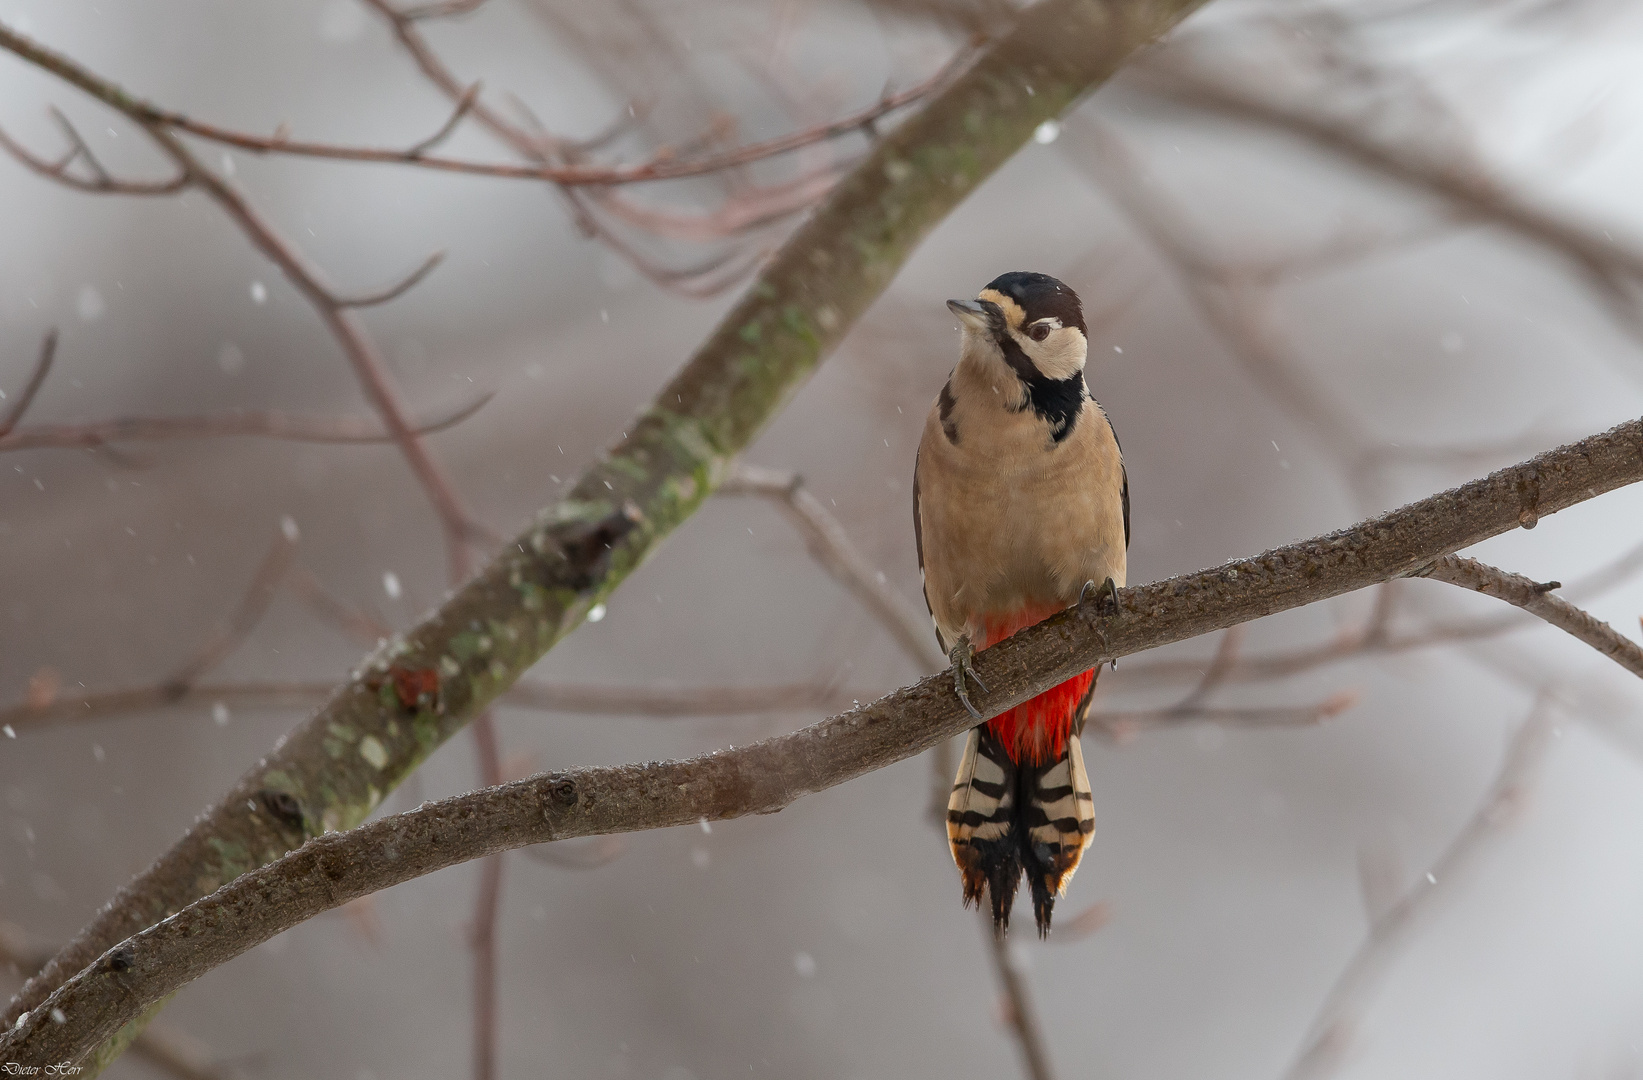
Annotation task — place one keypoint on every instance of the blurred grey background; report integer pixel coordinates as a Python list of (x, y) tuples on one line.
[(1403, 343)]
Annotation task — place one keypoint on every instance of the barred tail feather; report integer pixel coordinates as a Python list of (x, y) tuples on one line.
[(981, 823), (1006, 818), (1058, 818)]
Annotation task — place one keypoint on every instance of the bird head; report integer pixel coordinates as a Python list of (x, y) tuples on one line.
[(1033, 320)]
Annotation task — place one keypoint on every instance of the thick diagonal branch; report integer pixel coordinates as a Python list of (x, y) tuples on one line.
[(336, 867)]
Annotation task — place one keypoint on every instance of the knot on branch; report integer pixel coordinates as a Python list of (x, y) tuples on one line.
[(563, 791), (121, 958), (1528, 490), (282, 806), (587, 547)]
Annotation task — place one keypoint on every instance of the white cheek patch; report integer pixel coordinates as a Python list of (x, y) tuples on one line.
[(1059, 356)]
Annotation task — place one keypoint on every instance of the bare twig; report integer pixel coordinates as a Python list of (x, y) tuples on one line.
[(1020, 1014), (356, 344), (1121, 726), (1374, 636), (116, 703), (58, 170), (1232, 302), (464, 105), (252, 606), (665, 165), (659, 703), (78, 147), (37, 379), (361, 626), (831, 546), (1333, 1028), (1465, 183), (373, 375), (1382, 878), (1536, 598), (394, 292), (269, 424), (444, 10), (1225, 659)]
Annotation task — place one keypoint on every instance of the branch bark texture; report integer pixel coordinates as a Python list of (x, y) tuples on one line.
[(424, 686), (1537, 599), (334, 868)]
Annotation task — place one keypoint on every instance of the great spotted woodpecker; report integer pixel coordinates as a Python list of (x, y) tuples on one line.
[(1021, 503)]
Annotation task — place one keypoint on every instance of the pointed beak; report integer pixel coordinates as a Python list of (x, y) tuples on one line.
[(970, 313)]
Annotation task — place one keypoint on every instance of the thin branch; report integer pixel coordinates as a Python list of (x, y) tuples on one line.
[(1536, 598), (464, 105), (1465, 184), (252, 607), (333, 867), (372, 372), (664, 165), (394, 292), (661, 703), (1225, 659), (78, 147), (1020, 1013), (1236, 305), (1122, 726), (1502, 806), (269, 424), (117, 703), (444, 10), (350, 334), (669, 702), (362, 627), (1374, 636), (37, 379), (58, 170), (831, 546)]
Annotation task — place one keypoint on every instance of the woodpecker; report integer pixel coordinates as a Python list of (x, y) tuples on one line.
[(1020, 505)]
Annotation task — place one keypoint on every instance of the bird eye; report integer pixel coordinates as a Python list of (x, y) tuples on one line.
[(1038, 331)]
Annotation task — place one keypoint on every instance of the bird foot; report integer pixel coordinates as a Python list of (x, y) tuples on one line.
[(1107, 589), (960, 658)]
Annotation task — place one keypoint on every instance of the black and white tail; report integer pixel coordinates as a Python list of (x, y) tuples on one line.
[(1006, 818)]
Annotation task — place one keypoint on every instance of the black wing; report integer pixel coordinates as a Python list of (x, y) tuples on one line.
[(918, 542), (1125, 496), (1124, 492)]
